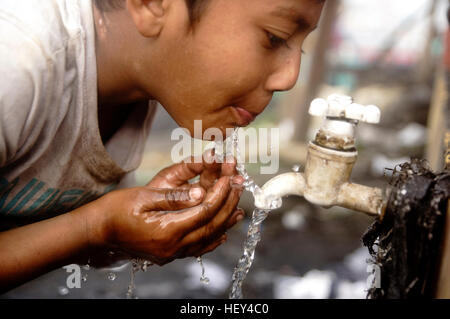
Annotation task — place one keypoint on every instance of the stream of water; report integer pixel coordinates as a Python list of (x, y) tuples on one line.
[(254, 230)]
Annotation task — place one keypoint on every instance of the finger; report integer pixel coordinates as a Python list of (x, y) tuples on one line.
[(217, 225), (212, 246), (229, 166), (199, 249), (170, 199), (202, 251), (237, 216), (212, 169), (196, 217), (178, 174)]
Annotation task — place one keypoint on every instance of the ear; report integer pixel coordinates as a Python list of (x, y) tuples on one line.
[(148, 16)]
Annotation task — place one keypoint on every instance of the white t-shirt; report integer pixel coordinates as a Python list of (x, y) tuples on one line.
[(52, 158)]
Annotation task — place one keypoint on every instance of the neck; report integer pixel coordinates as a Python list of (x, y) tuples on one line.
[(115, 60)]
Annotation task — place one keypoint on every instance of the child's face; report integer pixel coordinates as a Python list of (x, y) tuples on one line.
[(234, 59)]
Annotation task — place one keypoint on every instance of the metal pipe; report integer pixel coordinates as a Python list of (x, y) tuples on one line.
[(361, 198)]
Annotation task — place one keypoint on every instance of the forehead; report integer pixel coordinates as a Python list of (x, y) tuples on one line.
[(300, 11), (306, 13)]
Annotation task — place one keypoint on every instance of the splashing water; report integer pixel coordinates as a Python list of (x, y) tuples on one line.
[(254, 229), (63, 291), (112, 276), (86, 267)]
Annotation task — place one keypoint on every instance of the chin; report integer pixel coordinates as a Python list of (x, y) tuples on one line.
[(212, 133)]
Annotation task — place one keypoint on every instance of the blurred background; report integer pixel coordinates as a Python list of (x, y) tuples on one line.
[(382, 52)]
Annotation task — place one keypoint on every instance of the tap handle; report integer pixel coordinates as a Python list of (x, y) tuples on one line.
[(341, 106)]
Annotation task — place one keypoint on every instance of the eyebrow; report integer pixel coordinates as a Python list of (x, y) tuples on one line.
[(291, 14)]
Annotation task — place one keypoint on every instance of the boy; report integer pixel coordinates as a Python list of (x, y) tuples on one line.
[(74, 115)]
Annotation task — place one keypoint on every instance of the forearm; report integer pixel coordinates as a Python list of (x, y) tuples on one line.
[(30, 251)]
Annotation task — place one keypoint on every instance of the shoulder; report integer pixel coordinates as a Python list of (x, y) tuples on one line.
[(40, 42), (50, 25)]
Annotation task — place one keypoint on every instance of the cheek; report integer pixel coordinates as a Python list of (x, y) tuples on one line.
[(212, 73), (233, 68)]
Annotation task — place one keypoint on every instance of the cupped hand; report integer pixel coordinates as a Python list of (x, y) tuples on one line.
[(171, 218), (207, 167)]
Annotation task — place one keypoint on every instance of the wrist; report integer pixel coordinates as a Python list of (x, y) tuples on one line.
[(93, 222)]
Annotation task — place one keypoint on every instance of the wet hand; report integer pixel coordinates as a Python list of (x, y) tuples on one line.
[(207, 167), (171, 218)]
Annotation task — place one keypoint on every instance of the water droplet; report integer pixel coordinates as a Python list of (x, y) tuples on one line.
[(112, 276), (130, 292), (84, 277), (63, 291), (296, 168), (145, 265), (403, 192), (205, 280)]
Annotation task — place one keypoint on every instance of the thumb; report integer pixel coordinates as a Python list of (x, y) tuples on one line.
[(171, 199)]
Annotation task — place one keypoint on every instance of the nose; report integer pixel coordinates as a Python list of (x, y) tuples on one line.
[(286, 72)]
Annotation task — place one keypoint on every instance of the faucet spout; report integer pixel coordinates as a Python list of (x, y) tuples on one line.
[(353, 196), (278, 187)]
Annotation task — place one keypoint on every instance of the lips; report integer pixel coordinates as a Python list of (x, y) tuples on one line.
[(245, 116)]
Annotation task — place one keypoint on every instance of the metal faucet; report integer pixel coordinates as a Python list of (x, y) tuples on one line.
[(331, 156)]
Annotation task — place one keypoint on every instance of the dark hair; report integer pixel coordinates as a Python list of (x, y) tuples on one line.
[(195, 7)]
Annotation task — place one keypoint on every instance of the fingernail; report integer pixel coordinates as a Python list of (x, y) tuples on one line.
[(195, 193), (208, 157), (238, 180), (239, 218)]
